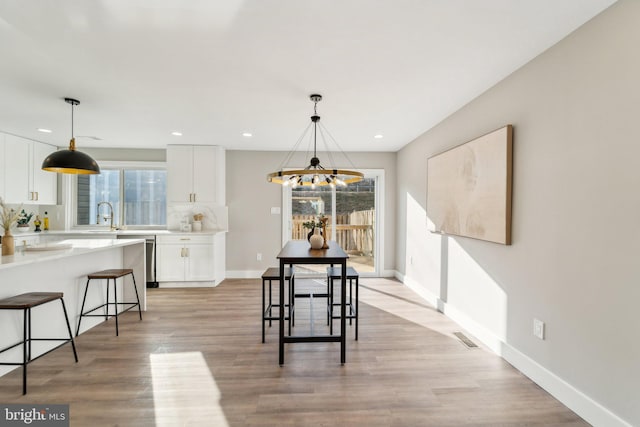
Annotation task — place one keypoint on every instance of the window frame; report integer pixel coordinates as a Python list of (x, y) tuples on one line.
[(72, 191)]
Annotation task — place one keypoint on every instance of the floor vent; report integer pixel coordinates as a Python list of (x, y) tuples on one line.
[(466, 341)]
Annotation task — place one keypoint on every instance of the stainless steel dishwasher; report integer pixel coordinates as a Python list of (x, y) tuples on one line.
[(150, 262)]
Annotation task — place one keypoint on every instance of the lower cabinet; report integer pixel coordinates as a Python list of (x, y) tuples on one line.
[(185, 258)]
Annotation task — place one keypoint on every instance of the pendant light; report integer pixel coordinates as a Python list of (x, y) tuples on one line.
[(315, 174), (71, 161)]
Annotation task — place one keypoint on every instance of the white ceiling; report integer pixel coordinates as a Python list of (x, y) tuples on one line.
[(215, 69)]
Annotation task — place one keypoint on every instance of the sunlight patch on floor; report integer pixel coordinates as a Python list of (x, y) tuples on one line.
[(184, 391)]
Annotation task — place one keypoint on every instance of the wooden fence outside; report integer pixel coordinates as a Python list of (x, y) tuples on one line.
[(354, 231)]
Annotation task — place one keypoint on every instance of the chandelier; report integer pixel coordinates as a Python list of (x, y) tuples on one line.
[(315, 174)]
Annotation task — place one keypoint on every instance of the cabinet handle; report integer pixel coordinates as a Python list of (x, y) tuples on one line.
[(187, 251), (37, 195), (181, 252), (194, 197), (186, 238)]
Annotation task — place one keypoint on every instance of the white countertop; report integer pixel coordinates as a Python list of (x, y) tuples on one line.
[(78, 247), (107, 233)]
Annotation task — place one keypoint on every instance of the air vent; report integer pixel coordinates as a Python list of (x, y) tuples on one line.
[(466, 341)]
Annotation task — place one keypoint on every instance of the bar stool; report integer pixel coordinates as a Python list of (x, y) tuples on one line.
[(273, 274), (334, 273), (109, 274), (26, 302)]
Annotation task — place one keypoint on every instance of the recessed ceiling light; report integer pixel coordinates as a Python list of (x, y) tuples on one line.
[(43, 130), (247, 134), (378, 136), (176, 133)]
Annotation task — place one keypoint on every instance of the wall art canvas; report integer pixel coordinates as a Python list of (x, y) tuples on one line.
[(469, 188)]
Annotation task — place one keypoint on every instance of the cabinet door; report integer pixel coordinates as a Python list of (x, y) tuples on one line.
[(199, 262), (204, 173), (170, 263), (179, 173), (16, 169), (44, 184)]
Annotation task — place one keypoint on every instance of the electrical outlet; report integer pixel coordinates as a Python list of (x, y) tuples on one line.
[(538, 328), (259, 257)]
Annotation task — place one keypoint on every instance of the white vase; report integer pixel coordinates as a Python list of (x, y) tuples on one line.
[(316, 240)]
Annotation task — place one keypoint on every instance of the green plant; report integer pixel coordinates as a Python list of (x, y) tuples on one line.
[(310, 224), (24, 218)]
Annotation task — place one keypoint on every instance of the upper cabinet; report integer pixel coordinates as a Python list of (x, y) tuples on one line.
[(193, 174), (24, 180)]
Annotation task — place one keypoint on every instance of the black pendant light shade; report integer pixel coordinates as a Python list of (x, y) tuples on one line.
[(71, 161)]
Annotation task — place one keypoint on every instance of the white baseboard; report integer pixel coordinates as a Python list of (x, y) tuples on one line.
[(244, 274), (207, 284), (587, 408)]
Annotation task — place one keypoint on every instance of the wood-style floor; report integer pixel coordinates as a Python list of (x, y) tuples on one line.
[(196, 359)]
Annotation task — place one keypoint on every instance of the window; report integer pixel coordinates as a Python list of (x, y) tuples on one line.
[(138, 197)]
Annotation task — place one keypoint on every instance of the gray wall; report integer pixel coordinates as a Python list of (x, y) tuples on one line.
[(252, 227), (574, 262)]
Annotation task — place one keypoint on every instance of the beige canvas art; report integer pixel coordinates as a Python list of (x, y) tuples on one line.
[(469, 188)]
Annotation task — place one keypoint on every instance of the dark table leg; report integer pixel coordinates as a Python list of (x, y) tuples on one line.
[(343, 312), (281, 311)]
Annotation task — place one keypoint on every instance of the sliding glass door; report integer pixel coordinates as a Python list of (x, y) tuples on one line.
[(353, 213)]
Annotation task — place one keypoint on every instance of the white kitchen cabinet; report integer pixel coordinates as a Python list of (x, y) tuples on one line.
[(24, 180), (192, 173), (185, 258)]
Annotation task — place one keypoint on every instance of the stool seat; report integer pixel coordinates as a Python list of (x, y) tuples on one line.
[(31, 299), (273, 273), (336, 272), (110, 274), (26, 302)]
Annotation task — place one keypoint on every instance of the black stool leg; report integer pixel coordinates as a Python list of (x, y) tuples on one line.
[(106, 314), (135, 288), (86, 288), (25, 337), (66, 318), (350, 299), (263, 311), (357, 307), (115, 298), (331, 307), (270, 302)]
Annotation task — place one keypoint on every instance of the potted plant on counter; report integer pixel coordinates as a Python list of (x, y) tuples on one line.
[(23, 221), (8, 217)]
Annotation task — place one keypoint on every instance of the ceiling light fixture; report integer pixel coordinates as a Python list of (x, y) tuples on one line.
[(378, 136), (176, 133), (43, 130), (71, 161), (247, 134), (315, 174)]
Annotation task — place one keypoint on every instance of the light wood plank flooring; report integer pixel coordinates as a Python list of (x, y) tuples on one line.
[(196, 359)]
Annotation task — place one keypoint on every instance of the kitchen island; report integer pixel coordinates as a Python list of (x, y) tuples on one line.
[(64, 269)]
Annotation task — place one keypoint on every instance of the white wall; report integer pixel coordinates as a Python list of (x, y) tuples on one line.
[(252, 227), (575, 258)]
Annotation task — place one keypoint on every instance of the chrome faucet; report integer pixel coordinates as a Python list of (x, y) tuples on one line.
[(110, 217)]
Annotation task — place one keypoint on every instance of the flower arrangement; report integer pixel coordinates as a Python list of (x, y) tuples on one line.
[(8, 216), (24, 218)]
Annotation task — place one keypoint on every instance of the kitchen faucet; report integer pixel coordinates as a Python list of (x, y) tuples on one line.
[(110, 217)]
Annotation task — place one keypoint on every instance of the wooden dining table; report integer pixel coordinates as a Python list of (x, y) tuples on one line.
[(300, 252)]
